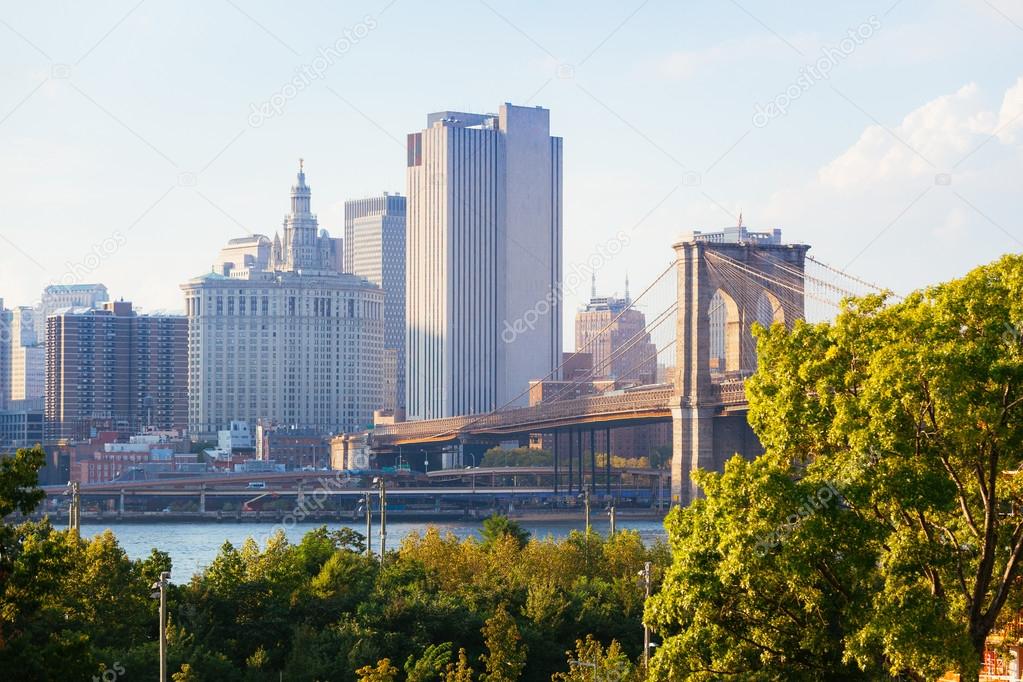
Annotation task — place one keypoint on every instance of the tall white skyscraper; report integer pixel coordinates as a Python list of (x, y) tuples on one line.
[(293, 342), (28, 356), (484, 259), (375, 249), (22, 356)]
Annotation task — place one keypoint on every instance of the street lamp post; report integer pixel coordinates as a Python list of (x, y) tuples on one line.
[(369, 525), (645, 574), (382, 485), (611, 515), (75, 509), (586, 503), (161, 593)]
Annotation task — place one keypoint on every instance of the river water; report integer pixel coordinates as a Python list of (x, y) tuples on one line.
[(192, 546)]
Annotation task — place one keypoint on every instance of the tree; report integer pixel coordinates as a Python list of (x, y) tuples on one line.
[(516, 457), (19, 491), (429, 665), (383, 671), (591, 661), (460, 671), (498, 526), (506, 656), (909, 415)]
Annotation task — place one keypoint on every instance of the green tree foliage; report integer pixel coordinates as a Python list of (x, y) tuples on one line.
[(498, 526), (592, 661), (505, 656), (879, 536), (517, 457), (319, 609), (19, 491)]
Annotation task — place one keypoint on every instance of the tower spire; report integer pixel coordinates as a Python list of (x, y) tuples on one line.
[(627, 301), (593, 284)]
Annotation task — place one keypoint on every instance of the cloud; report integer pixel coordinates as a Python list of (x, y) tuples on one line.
[(919, 201)]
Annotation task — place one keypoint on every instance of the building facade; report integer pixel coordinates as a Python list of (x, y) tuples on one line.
[(59, 296), (297, 343), (375, 249), (111, 369), (614, 335), (484, 260)]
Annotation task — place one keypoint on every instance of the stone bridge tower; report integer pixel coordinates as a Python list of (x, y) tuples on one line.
[(726, 281)]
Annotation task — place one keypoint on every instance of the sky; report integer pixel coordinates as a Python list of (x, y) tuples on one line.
[(136, 138)]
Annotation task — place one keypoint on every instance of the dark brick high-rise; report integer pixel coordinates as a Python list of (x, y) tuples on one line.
[(110, 368)]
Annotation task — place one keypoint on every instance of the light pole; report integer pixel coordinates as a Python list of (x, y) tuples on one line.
[(645, 574), (369, 524), (586, 503), (611, 515), (382, 485), (160, 587), (75, 509)]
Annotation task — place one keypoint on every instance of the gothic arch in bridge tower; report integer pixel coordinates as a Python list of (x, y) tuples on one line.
[(724, 287)]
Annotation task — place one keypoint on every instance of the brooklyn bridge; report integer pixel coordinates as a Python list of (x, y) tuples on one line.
[(700, 311)]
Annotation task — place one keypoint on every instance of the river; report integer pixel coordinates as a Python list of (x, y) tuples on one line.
[(192, 546)]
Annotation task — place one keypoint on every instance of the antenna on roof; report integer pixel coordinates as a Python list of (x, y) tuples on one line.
[(593, 285), (740, 219)]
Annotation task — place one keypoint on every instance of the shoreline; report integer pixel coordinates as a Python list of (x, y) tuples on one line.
[(598, 517)]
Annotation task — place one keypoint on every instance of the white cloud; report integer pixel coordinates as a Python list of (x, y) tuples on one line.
[(920, 201)]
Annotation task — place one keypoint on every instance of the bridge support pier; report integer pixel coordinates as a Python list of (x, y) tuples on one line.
[(571, 456), (120, 502), (555, 438), (607, 462), (202, 499), (593, 462)]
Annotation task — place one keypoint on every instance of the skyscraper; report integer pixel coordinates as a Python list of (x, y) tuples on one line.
[(27, 360), (613, 334), (484, 259), (110, 368), (293, 342), (375, 249), (59, 296), (305, 246)]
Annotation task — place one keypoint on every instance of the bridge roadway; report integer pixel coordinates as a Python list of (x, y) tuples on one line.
[(628, 407), (623, 408)]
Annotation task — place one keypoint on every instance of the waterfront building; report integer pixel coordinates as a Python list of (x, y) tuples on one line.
[(110, 368), (375, 249), (21, 424), (295, 343), (484, 260)]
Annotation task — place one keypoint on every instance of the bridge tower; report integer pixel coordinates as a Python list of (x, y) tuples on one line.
[(726, 281)]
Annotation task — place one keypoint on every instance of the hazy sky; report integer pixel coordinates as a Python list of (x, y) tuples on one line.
[(131, 148)]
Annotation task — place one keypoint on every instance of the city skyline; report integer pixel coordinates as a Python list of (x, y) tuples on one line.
[(933, 158)]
